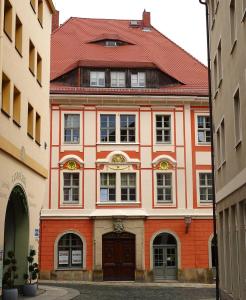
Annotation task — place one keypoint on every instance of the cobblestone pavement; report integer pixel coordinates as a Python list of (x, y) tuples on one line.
[(140, 291)]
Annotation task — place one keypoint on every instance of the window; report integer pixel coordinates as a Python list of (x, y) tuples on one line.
[(40, 11), (107, 127), (222, 142), (163, 128), (118, 79), (233, 22), (71, 128), (138, 79), (70, 251), (71, 187), (219, 63), (203, 131), (8, 17), (218, 141), (97, 79), (127, 128), (33, 5), (164, 187), (237, 117), (16, 106), (39, 69), (111, 43), (5, 94), (128, 187), (244, 9), (30, 121), (31, 57), (38, 129), (205, 181), (108, 187), (215, 75), (18, 35)]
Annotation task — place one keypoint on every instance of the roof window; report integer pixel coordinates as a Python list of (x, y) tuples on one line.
[(111, 43)]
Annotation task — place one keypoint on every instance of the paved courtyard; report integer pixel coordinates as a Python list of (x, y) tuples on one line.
[(108, 291)]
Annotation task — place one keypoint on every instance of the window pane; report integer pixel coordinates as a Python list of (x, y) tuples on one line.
[(103, 194)]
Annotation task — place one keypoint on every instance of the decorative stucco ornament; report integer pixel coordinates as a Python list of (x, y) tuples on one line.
[(71, 165), (164, 165), (118, 159), (118, 226)]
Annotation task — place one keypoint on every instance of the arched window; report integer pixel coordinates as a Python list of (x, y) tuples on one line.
[(70, 251), (165, 239)]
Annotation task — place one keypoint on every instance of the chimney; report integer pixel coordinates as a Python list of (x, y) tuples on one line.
[(146, 19), (55, 20)]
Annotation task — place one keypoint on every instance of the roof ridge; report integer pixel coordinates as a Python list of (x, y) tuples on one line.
[(63, 24), (180, 47)]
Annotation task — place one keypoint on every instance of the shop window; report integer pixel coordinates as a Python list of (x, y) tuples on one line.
[(70, 251), (31, 57), (40, 11), (203, 130), (38, 129), (17, 106), (205, 187), (71, 187), (71, 128), (39, 69), (6, 94), (8, 19), (107, 128), (164, 187), (163, 129), (30, 121), (18, 35)]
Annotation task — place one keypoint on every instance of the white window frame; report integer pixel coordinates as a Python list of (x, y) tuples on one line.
[(128, 187), (67, 145), (199, 202), (174, 200), (117, 122), (138, 84), (71, 187), (164, 187), (70, 203), (97, 75), (118, 79), (71, 142), (118, 173), (163, 128), (200, 114), (163, 144), (108, 186)]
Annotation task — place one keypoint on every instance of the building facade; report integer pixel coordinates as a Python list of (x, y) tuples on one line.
[(130, 171), (228, 63), (25, 28)]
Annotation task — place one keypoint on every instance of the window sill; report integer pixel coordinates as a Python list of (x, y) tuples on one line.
[(30, 136), (71, 203), (71, 143), (238, 145), (117, 144), (5, 113), (200, 144), (118, 203), (164, 204), (164, 144), (17, 123), (70, 269), (8, 36), (233, 46), (208, 204)]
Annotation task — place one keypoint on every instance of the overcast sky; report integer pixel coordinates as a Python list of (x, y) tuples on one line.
[(183, 21)]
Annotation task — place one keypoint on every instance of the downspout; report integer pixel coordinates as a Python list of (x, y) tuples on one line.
[(212, 148)]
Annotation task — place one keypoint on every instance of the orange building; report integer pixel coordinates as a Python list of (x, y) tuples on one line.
[(130, 193)]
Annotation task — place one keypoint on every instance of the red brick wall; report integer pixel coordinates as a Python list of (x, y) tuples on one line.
[(194, 244), (51, 229)]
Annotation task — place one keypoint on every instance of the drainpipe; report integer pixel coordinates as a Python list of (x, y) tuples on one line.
[(212, 148)]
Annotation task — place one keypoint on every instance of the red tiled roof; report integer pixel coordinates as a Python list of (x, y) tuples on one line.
[(71, 47)]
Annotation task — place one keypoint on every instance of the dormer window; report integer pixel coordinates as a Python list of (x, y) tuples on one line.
[(111, 43), (118, 79), (97, 78), (138, 79)]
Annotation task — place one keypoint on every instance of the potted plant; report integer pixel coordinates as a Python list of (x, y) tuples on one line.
[(31, 277), (9, 276)]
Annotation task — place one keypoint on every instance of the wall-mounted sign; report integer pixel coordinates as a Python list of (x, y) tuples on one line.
[(36, 233), (76, 257), (63, 257)]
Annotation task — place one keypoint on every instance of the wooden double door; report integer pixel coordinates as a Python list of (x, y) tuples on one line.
[(118, 256)]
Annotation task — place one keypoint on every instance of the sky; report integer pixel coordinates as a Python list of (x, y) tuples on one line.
[(183, 21)]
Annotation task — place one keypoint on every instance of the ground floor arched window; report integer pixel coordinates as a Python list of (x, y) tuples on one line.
[(70, 251)]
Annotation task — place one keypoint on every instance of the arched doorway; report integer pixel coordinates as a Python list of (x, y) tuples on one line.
[(165, 257), (118, 256), (16, 229)]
